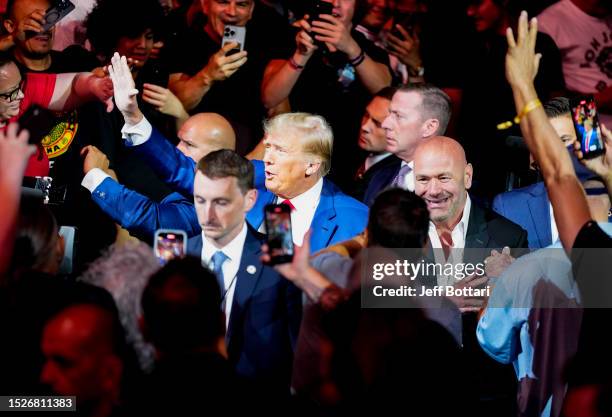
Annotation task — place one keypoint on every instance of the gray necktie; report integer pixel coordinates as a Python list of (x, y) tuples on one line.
[(400, 178), (218, 260)]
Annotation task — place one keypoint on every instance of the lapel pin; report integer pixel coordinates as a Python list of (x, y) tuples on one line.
[(251, 269)]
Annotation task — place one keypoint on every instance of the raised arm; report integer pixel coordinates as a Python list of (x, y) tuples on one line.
[(564, 190), (74, 89), (14, 155), (191, 89)]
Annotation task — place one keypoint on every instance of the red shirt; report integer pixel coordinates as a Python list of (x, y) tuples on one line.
[(38, 90)]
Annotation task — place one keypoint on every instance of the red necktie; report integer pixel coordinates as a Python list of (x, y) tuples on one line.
[(289, 203)]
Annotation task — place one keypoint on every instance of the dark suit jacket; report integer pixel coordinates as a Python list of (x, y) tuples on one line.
[(381, 179), (529, 208), (361, 183), (264, 320)]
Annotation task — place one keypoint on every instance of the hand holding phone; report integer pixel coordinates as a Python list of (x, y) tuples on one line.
[(169, 244), (586, 123), (38, 121), (279, 236), (56, 13), (235, 34)]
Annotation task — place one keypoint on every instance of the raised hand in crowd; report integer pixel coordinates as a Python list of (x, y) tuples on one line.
[(406, 48), (304, 41), (15, 151), (32, 23), (164, 101), (222, 66), (564, 190), (601, 164), (125, 91), (300, 272), (335, 34)]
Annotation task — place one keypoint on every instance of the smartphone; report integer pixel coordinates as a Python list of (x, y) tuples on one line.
[(279, 237), (38, 121), (169, 244), (56, 13), (233, 33), (318, 8), (586, 123)]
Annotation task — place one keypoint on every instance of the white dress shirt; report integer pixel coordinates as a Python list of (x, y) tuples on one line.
[(305, 207), (554, 232), (233, 251), (458, 235)]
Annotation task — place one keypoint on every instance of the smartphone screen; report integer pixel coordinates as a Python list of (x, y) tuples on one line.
[(279, 236), (169, 244), (586, 123)]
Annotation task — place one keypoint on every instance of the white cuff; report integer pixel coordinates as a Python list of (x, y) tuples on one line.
[(137, 134), (94, 178)]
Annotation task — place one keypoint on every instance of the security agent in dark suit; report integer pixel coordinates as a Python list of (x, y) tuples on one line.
[(443, 178), (373, 140), (417, 112), (263, 310)]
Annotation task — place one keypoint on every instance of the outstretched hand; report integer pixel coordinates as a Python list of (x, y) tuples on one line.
[(522, 62), (601, 164), (124, 89), (15, 151), (300, 264)]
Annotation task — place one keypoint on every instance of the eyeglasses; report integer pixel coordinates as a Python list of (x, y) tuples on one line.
[(13, 94)]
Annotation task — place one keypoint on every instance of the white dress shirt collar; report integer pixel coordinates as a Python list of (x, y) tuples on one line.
[(305, 207), (373, 159), (233, 249)]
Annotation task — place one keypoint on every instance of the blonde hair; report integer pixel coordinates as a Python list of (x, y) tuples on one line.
[(313, 131)]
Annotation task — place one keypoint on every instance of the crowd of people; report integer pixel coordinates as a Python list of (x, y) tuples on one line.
[(390, 131)]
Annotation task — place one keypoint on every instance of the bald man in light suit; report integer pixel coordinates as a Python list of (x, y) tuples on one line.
[(200, 134)]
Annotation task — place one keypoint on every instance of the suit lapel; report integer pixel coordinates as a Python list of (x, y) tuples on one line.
[(255, 216), (477, 235), (324, 218), (539, 212), (249, 272)]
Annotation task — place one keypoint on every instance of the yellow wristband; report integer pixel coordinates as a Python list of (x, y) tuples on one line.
[(530, 106)]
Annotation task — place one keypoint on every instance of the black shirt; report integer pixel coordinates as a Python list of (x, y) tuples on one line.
[(238, 98), (329, 86)]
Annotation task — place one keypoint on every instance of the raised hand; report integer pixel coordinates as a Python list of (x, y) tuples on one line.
[(335, 34), (125, 91), (406, 49), (15, 151), (221, 66), (602, 164), (522, 62), (32, 23), (163, 100)]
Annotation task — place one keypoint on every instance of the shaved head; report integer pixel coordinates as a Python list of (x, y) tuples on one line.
[(204, 133), (442, 178), (79, 345)]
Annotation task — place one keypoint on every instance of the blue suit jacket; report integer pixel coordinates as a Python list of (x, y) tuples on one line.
[(264, 320), (142, 216), (338, 217), (529, 208)]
